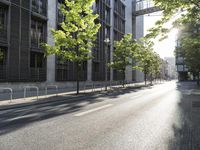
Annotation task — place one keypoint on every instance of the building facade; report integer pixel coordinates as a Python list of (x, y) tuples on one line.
[(25, 24), (22, 29)]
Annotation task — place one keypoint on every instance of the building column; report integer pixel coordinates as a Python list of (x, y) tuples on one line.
[(139, 32), (111, 36), (128, 30), (89, 70), (51, 60)]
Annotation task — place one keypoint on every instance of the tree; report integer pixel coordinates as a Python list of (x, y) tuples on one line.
[(189, 11), (190, 47), (125, 50), (149, 62), (77, 34)]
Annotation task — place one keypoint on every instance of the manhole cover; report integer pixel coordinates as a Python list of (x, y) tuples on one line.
[(196, 104)]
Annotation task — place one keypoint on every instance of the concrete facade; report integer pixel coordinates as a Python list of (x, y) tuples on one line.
[(139, 32), (129, 30), (133, 26), (51, 60)]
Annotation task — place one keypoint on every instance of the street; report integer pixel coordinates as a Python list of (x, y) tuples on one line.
[(162, 117)]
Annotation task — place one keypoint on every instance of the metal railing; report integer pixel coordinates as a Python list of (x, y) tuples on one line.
[(143, 4), (48, 86), (10, 90), (142, 7), (31, 87)]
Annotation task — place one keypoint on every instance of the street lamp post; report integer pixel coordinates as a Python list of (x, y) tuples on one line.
[(107, 41)]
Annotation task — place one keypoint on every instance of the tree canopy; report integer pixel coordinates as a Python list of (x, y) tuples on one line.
[(189, 49), (140, 51), (189, 11), (74, 40), (149, 61), (125, 50)]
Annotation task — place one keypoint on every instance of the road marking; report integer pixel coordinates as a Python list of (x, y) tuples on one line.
[(92, 110)]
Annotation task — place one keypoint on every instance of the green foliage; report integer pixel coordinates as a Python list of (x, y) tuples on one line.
[(189, 10), (149, 61), (141, 51), (75, 40), (191, 50), (124, 50)]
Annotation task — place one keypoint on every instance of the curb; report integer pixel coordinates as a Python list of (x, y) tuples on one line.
[(43, 101)]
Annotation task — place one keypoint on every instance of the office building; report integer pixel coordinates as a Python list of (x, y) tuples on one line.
[(25, 24)]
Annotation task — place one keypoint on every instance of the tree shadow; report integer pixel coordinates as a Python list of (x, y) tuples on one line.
[(21, 115), (187, 130)]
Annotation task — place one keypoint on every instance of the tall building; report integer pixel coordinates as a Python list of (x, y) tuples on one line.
[(22, 28), (25, 24), (172, 74)]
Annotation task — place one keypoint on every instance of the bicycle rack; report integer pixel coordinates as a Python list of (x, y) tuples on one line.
[(11, 92), (30, 87), (48, 86)]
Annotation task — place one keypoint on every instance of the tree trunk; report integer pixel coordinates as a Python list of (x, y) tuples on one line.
[(145, 79), (123, 83), (77, 77), (198, 79), (151, 78)]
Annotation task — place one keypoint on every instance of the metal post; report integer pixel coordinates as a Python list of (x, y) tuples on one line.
[(11, 92), (107, 40), (24, 92), (11, 95), (106, 69)]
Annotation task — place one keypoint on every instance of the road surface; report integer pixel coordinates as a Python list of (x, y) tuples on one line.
[(162, 117)]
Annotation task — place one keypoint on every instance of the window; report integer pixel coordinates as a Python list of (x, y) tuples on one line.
[(37, 33), (39, 6), (3, 21), (107, 32), (2, 56), (96, 67), (115, 21), (36, 60), (107, 15), (116, 5)]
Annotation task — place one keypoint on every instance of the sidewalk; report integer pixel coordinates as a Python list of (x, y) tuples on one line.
[(67, 94)]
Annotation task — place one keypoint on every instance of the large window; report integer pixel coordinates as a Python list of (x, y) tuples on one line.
[(36, 60), (3, 22), (37, 33), (2, 56), (3, 59), (39, 6), (107, 15)]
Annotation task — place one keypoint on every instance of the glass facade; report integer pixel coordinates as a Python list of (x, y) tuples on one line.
[(3, 22), (37, 33), (39, 6)]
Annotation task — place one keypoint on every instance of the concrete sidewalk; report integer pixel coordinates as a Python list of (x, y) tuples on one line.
[(60, 95)]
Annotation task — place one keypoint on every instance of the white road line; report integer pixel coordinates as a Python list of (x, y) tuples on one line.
[(92, 110)]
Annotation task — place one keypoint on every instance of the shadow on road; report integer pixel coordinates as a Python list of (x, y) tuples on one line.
[(187, 130), (21, 115)]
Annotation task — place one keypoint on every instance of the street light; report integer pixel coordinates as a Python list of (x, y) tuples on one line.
[(106, 41)]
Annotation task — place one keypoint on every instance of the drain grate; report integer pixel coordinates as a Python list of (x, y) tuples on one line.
[(196, 104)]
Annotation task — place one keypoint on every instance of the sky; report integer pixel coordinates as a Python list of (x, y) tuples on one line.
[(165, 48)]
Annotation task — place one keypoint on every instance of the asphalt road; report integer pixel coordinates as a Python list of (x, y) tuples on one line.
[(162, 117)]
